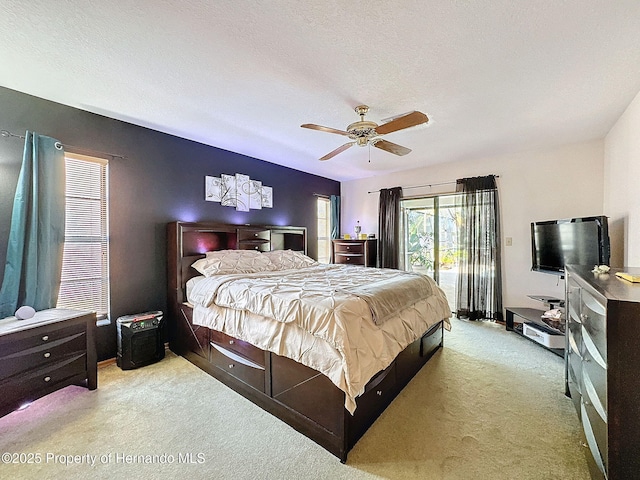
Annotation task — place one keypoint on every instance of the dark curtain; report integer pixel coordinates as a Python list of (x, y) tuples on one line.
[(36, 238), (480, 276), (389, 227), (334, 205)]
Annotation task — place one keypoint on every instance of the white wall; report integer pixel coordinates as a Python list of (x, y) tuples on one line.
[(621, 192), (537, 185)]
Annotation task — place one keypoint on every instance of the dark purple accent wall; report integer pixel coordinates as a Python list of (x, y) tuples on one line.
[(161, 180)]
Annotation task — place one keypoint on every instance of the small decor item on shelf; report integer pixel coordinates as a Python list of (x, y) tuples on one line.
[(553, 318), (358, 229), (601, 269), (25, 312), (346, 236)]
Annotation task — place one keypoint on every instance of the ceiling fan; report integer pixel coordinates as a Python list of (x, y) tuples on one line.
[(365, 132)]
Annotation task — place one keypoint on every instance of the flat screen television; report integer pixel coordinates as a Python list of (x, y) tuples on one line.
[(573, 241)]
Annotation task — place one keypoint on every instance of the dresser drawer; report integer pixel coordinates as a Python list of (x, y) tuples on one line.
[(574, 368), (595, 430), (574, 390), (35, 383), (240, 347), (349, 259), (50, 352), (593, 317), (594, 382), (238, 366), (348, 247), (573, 301), (34, 337)]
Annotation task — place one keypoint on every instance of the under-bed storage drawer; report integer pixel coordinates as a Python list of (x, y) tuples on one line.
[(431, 340), (380, 386), (379, 393), (245, 349), (238, 366), (308, 392)]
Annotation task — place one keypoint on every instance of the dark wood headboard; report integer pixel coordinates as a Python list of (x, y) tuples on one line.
[(186, 242)]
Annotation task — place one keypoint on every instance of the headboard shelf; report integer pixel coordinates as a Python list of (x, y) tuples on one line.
[(188, 241)]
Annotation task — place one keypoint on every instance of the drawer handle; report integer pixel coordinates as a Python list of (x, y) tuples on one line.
[(231, 342), (231, 365), (47, 355), (47, 379), (255, 234), (45, 338), (379, 393), (348, 247)]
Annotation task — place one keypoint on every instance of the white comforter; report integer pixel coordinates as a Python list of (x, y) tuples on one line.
[(312, 316)]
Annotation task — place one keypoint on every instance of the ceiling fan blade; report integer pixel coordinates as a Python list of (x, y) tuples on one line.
[(404, 121), (337, 151), (391, 147), (324, 129)]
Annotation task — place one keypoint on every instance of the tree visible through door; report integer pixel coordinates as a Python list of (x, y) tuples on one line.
[(430, 227)]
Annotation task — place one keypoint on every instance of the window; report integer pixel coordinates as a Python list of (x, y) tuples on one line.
[(324, 230), (85, 266)]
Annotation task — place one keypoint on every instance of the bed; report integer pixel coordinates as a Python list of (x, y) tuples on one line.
[(325, 348)]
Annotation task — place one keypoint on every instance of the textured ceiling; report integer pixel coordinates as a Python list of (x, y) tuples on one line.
[(494, 76)]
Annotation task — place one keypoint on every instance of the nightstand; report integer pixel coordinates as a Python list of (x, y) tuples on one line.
[(53, 349), (355, 252)]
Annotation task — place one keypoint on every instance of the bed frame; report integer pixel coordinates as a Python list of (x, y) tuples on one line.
[(300, 396)]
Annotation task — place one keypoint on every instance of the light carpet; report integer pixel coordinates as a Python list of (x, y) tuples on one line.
[(490, 405)]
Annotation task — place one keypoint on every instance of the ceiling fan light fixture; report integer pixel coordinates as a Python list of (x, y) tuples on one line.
[(365, 132)]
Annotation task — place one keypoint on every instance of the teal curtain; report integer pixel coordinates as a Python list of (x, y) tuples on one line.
[(36, 239), (335, 216)]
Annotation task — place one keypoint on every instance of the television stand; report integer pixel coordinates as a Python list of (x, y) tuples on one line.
[(551, 302), (528, 323)]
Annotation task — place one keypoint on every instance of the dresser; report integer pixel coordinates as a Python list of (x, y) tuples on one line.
[(602, 367), (355, 252), (40, 355)]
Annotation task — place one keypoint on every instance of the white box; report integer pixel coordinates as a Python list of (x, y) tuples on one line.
[(549, 340)]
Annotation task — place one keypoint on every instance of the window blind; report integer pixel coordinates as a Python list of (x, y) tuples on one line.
[(85, 266)]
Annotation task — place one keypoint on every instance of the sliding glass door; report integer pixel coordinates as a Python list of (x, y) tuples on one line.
[(429, 232)]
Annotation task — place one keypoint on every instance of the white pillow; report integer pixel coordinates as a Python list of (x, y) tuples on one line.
[(289, 259), (232, 261)]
